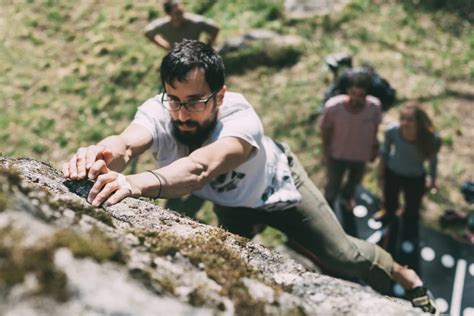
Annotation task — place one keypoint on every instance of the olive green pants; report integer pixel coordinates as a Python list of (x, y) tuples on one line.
[(313, 225)]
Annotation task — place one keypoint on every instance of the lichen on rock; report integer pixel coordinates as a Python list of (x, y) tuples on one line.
[(59, 255)]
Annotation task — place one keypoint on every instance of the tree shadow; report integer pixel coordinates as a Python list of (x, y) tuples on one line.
[(462, 8)]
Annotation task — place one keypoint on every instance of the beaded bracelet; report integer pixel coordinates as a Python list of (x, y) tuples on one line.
[(158, 176)]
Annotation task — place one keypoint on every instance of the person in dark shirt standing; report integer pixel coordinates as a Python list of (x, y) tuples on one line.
[(178, 25)]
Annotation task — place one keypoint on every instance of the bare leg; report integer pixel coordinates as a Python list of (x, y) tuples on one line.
[(406, 277)]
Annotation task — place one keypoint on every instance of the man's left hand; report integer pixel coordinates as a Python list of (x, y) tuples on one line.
[(111, 188)]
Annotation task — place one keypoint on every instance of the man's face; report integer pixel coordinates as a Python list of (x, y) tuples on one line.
[(193, 128), (356, 97), (177, 13), (407, 120)]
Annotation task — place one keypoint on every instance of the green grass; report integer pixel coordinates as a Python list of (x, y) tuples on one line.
[(73, 73)]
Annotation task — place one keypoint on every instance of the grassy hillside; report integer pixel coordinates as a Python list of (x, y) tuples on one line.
[(74, 72)]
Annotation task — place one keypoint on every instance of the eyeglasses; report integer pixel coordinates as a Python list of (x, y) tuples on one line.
[(192, 105)]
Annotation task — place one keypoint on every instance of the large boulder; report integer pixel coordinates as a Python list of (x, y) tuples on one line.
[(60, 256), (308, 8), (260, 47)]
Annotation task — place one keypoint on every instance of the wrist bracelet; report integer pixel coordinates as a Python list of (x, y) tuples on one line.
[(158, 176)]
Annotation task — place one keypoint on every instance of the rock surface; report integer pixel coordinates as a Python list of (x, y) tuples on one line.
[(60, 256), (308, 8), (260, 47)]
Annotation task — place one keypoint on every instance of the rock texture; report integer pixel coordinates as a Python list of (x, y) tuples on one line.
[(308, 8), (59, 256), (260, 47)]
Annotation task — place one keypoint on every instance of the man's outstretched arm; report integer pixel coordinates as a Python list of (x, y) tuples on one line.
[(159, 41), (112, 153), (153, 32), (179, 178), (212, 35), (193, 172)]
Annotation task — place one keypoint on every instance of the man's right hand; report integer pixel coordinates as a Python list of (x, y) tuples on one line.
[(88, 162)]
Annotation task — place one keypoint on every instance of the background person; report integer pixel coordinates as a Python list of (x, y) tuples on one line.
[(341, 68), (408, 145), (178, 25), (210, 142), (349, 125), (379, 87)]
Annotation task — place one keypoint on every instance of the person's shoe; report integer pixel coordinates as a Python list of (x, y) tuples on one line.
[(380, 215), (383, 217), (422, 298), (453, 217), (468, 237)]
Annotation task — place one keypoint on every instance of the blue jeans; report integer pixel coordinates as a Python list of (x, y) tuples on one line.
[(313, 226)]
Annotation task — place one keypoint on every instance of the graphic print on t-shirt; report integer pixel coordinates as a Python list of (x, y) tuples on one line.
[(273, 187), (280, 182), (227, 181)]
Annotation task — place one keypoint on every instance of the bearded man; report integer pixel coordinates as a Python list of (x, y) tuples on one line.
[(210, 142)]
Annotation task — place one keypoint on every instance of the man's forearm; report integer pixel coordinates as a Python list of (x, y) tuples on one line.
[(191, 173), (212, 37), (175, 180), (160, 42)]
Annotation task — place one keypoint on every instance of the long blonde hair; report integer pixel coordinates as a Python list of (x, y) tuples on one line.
[(425, 142)]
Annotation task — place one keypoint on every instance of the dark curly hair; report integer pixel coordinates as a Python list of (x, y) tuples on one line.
[(188, 55), (169, 4), (360, 79)]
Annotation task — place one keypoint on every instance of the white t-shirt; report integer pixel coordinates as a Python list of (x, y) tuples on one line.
[(263, 181)]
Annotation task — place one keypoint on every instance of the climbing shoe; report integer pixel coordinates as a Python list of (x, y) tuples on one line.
[(422, 298)]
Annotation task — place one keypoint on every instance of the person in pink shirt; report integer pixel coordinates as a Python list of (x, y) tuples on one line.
[(349, 125)]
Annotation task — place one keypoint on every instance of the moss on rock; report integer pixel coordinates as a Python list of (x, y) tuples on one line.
[(94, 245), (11, 174), (221, 263), (3, 201), (217, 256), (7, 175), (17, 261), (82, 209)]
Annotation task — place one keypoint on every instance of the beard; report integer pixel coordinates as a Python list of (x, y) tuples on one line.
[(197, 137)]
